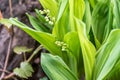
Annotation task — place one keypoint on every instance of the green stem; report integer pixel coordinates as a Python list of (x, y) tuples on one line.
[(35, 52)]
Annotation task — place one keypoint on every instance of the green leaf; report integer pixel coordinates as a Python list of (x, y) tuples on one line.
[(108, 56), (55, 68), (77, 8), (6, 23), (87, 17), (116, 13), (24, 71), (52, 5), (93, 2), (102, 21), (62, 8), (88, 49), (22, 49), (44, 78), (73, 52), (62, 25), (46, 39)]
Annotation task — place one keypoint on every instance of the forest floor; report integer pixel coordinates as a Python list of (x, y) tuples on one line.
[(18, 9)]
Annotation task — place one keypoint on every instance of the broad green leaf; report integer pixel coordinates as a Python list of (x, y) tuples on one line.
[(102, 21), (77, 8), (108, 56), (114, 74), (88, 49), (73, 52), (116, 13), (62, 8), (62, 25), (24, 71), (93, 2), (55, 68), (46, 39), (44, 78), (22, 49), (87, 17), (51, 5)]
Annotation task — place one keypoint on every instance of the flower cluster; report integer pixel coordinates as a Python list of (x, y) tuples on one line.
[(48, 18), (62, 45)]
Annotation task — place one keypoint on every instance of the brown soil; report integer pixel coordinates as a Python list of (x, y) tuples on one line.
[(20, 38)]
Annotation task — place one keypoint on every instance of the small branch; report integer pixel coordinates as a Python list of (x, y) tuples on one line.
[(4, 71), (10, 7), (35, 52), (9, 45), (7, 58), (1, 64), (9, 76)]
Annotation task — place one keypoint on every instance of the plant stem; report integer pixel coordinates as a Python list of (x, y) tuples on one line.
[(24, 56), (35, 52)]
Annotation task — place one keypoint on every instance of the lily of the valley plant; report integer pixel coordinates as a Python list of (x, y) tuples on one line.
[(82, 36)]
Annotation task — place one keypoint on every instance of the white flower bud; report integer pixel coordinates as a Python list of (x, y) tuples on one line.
[(63, 49), (53, 19), (58, 43), (41, 12), (44, 11), (48, 11), (46, 17), (50, 22), (47, 20)]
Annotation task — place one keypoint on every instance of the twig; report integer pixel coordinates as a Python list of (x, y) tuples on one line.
[(9, 76), (9, 46), (10, 6), (7, 58), (1, 64), (4, 71)]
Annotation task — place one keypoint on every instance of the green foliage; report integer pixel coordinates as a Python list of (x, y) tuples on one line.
[(22, 49), (64, 28), (47, 40), (24, 71), (52, 5), (44, 78), (102, 22), (88, 49), (107, 59), (73, 51), (39, 22), (55, 68)]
